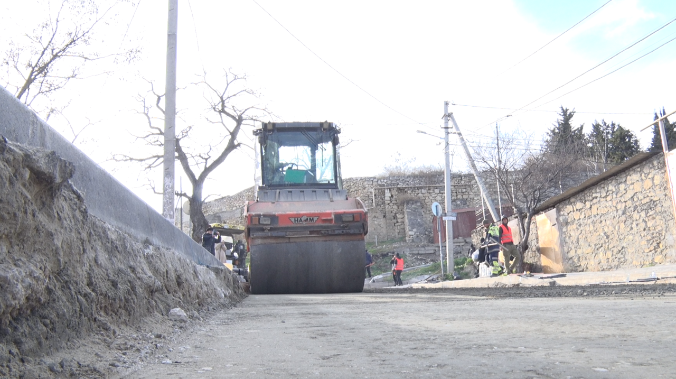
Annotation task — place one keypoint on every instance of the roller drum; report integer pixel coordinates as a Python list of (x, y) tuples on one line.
[(307, 267)]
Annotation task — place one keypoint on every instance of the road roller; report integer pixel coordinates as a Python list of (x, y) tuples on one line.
[(304, 234)]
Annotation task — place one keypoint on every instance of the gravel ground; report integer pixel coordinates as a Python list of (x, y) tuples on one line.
[(544, 332)]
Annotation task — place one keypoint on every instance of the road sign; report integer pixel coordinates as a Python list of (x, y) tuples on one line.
[(436, 209), (449, 218)]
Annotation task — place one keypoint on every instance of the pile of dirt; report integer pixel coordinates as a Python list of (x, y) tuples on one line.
[(68, 279)]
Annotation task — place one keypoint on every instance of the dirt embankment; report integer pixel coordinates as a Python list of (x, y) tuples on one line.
[(66, 275)]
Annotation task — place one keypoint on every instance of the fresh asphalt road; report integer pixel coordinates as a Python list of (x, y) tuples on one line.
[(492, 333)]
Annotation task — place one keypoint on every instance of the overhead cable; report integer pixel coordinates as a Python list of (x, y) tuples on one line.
[(559, 87), (197, 40), (333, 68), (617, 69), (557, 37), (546, 110), (620, 52)]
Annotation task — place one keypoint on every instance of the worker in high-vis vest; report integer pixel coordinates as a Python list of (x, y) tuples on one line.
[(492, 245), (397, 263), (509, 250)]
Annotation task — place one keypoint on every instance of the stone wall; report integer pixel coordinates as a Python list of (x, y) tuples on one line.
[(417, 230), (229, 209), (624, 221), (385, 198)]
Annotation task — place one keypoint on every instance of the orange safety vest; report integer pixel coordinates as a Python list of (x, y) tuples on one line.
[(399, 264), (506, 234)]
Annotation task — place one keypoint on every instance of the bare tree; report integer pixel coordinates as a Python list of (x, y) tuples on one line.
[(56, 52), (205, 145), (526, 177)]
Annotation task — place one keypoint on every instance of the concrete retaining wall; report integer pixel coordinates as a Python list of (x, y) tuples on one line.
[(105, 197)]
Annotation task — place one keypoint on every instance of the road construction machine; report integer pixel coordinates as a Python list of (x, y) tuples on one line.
[(304, 234)]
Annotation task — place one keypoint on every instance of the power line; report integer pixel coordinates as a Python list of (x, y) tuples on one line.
[(334, 69), (124, 37), (548, 110), (557, 37), (197, 40), (621, 51), (617, 69), (129, 25), (559, 87)]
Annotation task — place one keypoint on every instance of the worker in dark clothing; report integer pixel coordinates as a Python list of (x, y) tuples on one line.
[(482, 251), (240, 250), (509, 250), (397, 263), (369, 263), (492, 245), (209, 239)]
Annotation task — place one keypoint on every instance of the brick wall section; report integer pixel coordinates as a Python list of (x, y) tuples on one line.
[(625, 221)]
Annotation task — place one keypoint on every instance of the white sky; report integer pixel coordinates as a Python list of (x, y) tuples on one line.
[(410, 56)]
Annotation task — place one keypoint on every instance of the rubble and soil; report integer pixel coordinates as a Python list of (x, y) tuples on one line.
[(78, 297)]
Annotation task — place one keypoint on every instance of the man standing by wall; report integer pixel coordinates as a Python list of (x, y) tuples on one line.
[(509, 249)]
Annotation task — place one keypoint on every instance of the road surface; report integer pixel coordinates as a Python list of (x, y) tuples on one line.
[(580, 332)]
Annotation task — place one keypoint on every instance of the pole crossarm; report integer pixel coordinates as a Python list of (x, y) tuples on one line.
[(656, 121)]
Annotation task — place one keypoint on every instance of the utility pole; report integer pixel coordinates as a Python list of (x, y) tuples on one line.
[(450, 266), (497, 170), (489, 202), (497, 142), (170, 115)]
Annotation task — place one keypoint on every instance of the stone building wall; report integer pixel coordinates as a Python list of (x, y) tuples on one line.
[(624, 221), (385, 198)]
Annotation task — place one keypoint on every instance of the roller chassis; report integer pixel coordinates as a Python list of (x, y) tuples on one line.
[(307, 250)]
